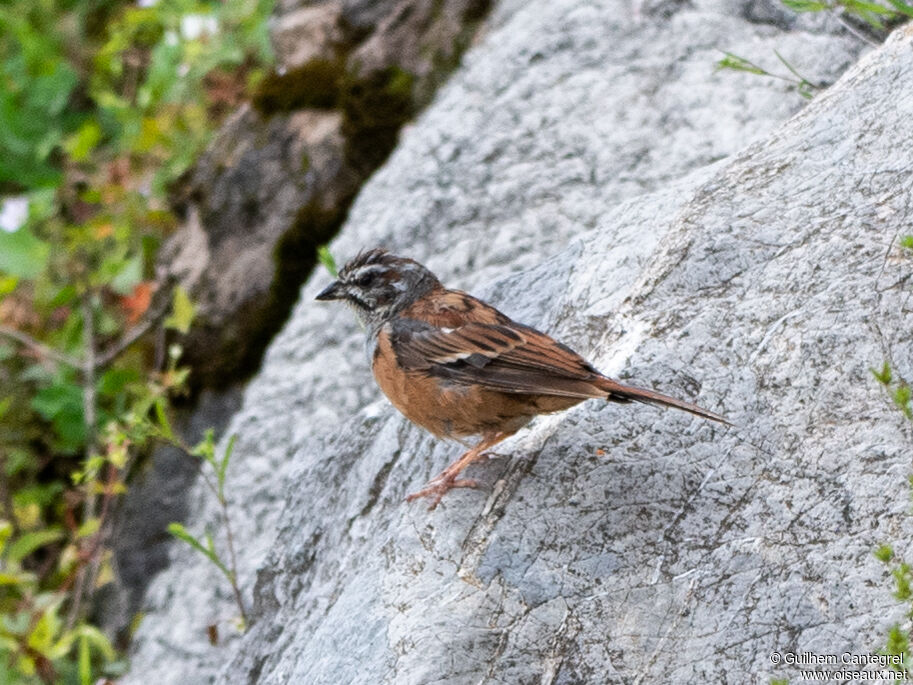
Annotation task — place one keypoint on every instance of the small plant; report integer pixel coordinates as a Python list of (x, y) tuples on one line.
[(876, 16), (898, 389), (326, 258), (868, 21), (898, 640), (214, 477), (899, 637), (803, 86)]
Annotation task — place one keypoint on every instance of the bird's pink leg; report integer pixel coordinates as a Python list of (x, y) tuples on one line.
[(447, 479)]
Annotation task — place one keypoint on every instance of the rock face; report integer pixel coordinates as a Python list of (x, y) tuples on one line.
[(587, 173)]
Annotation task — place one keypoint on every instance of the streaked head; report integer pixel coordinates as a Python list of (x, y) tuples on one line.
[(377, 285)]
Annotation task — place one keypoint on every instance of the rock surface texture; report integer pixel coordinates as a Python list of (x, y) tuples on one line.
[(585, 171)]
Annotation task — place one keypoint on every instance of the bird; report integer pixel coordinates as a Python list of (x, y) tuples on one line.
[(461, 369)]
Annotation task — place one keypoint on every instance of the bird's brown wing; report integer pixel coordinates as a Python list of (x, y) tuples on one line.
[(456, 336), (509, 358)]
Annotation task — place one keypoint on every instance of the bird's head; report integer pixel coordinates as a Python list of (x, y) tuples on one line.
[(377, 285)]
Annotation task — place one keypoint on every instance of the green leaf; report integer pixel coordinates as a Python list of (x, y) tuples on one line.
[(863, 6), (883, 376), (64, 296), (98, 640), (326, 258), (85, 662), (898, 641), (22, 255), (161, 416), (869, 12), (43, 635), (884, 553), (114, 381), (13, 579), (89, 527), (907, 242), (902, 399), (80, 144), (206, 448), (902, 7), (8, 284), (61, 404), (6, 530), (223, 465), (902, 587), (29, 542), (737, 63), (182, 311), (180, 532), (806, 5)]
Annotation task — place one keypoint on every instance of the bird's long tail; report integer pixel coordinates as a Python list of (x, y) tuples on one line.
[(618, 392)]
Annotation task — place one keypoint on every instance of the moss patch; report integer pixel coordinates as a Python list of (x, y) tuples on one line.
[(314, 84), (374, 108)]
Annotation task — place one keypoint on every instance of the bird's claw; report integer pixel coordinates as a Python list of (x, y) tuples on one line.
[(436, 489)]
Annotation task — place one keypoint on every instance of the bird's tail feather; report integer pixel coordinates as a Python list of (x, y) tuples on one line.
[(618, 392)]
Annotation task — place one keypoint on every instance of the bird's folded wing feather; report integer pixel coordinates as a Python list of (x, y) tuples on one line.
[(509, 358)]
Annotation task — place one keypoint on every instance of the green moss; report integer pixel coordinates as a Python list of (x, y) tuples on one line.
[(314, 84), (476, 11), (305, 163), (374, 108), (296, 255)]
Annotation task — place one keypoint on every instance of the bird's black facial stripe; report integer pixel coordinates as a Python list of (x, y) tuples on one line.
[(357, 301)]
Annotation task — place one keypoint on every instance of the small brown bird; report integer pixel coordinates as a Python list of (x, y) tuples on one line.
[(458, 367)]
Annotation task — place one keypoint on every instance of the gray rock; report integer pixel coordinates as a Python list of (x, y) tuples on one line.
[(306, 33), (592, 176)]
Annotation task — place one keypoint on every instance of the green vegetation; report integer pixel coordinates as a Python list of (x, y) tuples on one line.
[(868, 21), (103, 106), (215, 482), (876, 16), (314, 84), (803, 86), (899, 637), (374, 106)]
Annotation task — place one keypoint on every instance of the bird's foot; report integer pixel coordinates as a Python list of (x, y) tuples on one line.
[(493, 455), (436, 489)]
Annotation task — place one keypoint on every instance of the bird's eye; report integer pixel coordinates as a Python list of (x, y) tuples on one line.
[(365, 279)]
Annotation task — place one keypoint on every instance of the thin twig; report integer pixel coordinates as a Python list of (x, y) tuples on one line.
[(856, 32), (792, 70), (103, 358), (89, 367), (229, 537), (40, 347), (101, 535), (89, 410)]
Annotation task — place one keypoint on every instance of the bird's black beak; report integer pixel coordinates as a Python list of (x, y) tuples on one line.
[(332, 292)]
